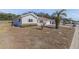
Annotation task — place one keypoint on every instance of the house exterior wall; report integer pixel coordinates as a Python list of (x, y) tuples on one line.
[(25, 20), (49, 22)]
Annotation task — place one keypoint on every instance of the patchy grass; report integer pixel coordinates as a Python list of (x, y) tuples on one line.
[(33, 37), (4, 27)]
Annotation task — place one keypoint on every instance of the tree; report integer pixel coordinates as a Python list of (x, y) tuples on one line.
[(42, 24), (7, 16), (58, 15)]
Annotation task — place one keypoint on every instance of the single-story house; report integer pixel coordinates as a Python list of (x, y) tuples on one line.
[(32, 19)]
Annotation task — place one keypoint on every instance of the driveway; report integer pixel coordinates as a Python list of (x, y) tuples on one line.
[(75, 41)]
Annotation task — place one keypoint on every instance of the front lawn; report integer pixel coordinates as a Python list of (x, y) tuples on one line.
[(32, 37)]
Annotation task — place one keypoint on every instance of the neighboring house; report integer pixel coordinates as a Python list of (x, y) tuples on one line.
[(32, 19)]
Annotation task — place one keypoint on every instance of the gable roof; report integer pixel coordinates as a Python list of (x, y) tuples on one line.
[(34, 15), (30, 14), (43, 18)]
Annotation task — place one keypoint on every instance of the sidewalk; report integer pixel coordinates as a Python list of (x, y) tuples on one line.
[(75, 41)]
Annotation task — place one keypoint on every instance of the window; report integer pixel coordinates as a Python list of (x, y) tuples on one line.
[(19, 20), (51, 22), (30, 20), (41, 21)]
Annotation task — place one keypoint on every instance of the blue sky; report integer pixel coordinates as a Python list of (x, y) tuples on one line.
[(71, 13)]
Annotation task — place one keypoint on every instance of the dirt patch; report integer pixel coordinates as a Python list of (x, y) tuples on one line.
[(33, 37), (5, 37), (30, 37)]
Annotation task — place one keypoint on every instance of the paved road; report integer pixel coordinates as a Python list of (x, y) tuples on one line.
[(75, 41)]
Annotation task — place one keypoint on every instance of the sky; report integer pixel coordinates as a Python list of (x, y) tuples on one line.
[(71, 13)]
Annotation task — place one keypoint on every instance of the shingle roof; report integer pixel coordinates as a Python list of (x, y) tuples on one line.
[(43, 18), (30, 14), (37, 17)]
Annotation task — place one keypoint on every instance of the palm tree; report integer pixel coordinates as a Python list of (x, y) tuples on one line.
[(58, 16)]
